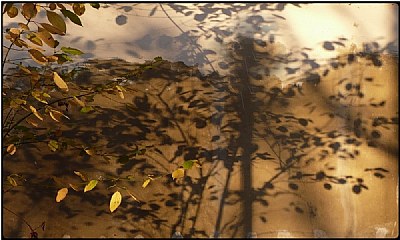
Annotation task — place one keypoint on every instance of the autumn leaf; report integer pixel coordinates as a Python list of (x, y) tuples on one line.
[(56, 115), (11, 149), (75, 187), (12, 12), (81, 175), (51, 29), (121, 91), (32, 123), (90, 185), (46, 37), (178, 173), (37, 56), (89, 151), (57, 21), (12, 181), (53, 145), (34, 39), (145, 183), (34, 111), (115, 201), (61, 194), (79, 102), (60, 82), (134, 198), (29, 10), (79, 8)]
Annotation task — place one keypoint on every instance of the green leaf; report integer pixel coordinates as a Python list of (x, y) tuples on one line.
[(115, 201), (57, 21), (72, 51), (86, 109), (72, 16), (188, 164), (53, 145), (34, 39), (90, 185), (62, 58), (95, 5)]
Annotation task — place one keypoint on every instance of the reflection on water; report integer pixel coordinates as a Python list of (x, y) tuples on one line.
[(313, 157)]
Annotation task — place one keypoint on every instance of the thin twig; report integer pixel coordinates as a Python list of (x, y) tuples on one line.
[(193, 43)]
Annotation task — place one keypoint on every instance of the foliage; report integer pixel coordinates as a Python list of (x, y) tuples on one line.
[(46, 90)]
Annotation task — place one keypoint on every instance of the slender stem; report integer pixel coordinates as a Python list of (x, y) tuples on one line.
[(27, 224), (40, 108), (9, 48), (193, 43)]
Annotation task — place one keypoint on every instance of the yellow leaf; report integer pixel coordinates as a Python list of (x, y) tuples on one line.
[(75, 187), (53, 145), (52, 58), (32, 123), (83, 177), (24, 69), (60, 82), (145, 183), (90, 185), (78, 8), (12, 181), (178, 173), (134, 198), (120, 91), (12, 12), (34, 39), (38, 96), (23, 26), (89, 152), (15, 31), (21, 43), (52, 29), (36, 113), (37, 56), (46, 37), (115, 201), (56, 115), (11, 149), (61, 194), (79, 102)]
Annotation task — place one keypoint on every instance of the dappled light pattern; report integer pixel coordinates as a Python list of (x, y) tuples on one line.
[(312, 154)]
